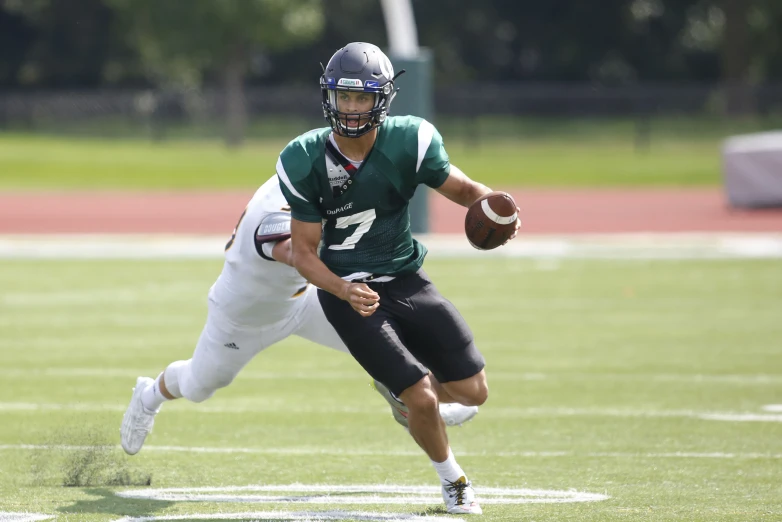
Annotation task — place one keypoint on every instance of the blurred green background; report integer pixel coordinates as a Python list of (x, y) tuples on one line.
[(501, 152), (143, 94)]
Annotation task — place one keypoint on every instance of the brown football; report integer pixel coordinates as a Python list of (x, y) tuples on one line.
[(491, 220)]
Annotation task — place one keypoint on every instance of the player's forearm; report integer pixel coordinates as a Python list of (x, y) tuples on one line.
[(469, 193), (461, 189), (473, 192), (309, 265)]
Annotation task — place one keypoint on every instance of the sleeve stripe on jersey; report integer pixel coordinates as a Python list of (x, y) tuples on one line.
[(284, 177), (425, 133)]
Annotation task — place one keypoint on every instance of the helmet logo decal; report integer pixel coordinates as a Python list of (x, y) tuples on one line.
[(385, 66), (349, 82)]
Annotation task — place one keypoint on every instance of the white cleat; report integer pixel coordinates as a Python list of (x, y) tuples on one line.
[(137, 422), (455, 414), (460, 498)]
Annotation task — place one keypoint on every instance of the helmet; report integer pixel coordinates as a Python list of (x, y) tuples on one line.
[(357, 67)]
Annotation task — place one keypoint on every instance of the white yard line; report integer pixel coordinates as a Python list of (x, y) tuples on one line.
[(186, 407), (728, 379), (309, 451), (587, 246), (743, 417), (271, 407), (353, 494), (304, 516), (113, 373), (7, 516)]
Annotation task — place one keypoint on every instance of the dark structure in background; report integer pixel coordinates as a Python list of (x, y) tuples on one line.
[(88, 44)]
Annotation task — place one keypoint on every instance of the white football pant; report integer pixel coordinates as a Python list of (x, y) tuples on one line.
[(224, 349)]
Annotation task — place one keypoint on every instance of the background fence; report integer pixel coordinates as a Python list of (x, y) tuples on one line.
[(473, 111)]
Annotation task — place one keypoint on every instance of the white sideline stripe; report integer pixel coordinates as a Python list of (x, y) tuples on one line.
[(306, 516), (112, 373), (348, 499), (308, 451), (501, 412), (674, 246), (10, 516), (192, 408), (743, 417), (362, 494)]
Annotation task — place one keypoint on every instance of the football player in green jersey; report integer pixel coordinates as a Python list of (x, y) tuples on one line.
[(349, 186)]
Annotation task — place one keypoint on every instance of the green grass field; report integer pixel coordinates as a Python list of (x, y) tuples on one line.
[(500, 151), (35, 162), (602, 378)]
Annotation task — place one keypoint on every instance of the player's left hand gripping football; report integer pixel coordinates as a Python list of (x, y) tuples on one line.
[(362, 299), (517, 225)]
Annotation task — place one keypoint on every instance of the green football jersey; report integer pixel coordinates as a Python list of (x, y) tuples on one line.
[(365, 218)]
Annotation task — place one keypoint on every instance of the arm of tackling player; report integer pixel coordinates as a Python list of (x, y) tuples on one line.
[(272, 238), (283, 252)]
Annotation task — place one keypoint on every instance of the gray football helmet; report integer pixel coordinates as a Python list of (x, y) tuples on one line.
[(358, 67)]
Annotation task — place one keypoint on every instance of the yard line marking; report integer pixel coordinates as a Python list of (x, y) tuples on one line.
[(307, 516), (743, 417), (773, 408), (193, 408), (310, 451), (502, 412), (110, 373), (354, 494), (662, 246), (7, 516)]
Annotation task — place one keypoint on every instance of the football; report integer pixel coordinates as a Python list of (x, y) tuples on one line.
[(490, 221)]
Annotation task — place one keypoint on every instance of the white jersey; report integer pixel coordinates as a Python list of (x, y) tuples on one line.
[(252, 291)]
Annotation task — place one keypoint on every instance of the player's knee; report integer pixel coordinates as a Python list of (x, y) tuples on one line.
[(470, 392), (221, 380), (197, 394), (199, 389), (481, 393), (173, 374), (420, 397)]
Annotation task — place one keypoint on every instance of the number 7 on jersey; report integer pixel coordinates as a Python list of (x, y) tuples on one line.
[(363, 220)]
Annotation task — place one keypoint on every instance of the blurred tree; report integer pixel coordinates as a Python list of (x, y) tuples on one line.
[(611, 42), (764, 18), (344, 21), (16, 38), (180, 41), (91, 43), (57, 44)]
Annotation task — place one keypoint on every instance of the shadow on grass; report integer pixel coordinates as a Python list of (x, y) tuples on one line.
[(106, 501)]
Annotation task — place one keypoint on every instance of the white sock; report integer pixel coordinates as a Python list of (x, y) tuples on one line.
[(449, 471), (151, 398)]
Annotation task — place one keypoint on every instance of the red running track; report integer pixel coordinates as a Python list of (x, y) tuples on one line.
[(543, 212)]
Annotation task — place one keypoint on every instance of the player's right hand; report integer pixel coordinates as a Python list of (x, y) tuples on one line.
[(363, 299)]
